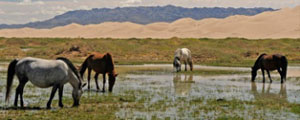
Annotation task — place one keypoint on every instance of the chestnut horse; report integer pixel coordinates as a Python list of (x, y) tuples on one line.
[(270, 62), (100, 64)]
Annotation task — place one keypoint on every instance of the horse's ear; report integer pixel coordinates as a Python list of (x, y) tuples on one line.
[(84, 84)]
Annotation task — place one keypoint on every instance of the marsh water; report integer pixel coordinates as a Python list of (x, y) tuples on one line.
[(165, 94)]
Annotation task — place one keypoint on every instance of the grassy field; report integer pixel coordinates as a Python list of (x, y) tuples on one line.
[(108, 106), (220, 52)]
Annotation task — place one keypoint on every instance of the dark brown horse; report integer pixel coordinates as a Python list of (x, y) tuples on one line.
[(101, 64), (270, 62)]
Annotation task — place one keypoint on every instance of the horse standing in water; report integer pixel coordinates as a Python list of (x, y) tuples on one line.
[(182, 54), (270, 62), (44, 73), (100, 64)]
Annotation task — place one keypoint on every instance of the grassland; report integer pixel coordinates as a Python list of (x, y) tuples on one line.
[(219, 52), (105, 107)]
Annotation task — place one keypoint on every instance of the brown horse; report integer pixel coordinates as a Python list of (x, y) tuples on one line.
[(100, 64), (270, 62)]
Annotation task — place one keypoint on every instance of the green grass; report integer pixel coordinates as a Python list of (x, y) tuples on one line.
[(217, 52)]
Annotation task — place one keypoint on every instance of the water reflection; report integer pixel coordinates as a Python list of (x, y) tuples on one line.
[(183, 86), (266, 95)]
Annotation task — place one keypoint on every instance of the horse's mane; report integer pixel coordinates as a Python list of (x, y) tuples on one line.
[(257, 60), (110, 61), (176, 58), (70, 64)]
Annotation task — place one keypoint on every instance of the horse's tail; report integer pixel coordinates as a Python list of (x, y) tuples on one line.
[(284, 66), (84, 65), (10, 77)]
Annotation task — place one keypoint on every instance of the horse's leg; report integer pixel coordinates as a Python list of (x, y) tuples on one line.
[(185, 66), (96, 80), (89, 77), (103, 89), (191, 65), (17, 95), (269, 76), (263, 74), (60, 95), (23, 83), (51, 96), (180, 67), (281, 75)]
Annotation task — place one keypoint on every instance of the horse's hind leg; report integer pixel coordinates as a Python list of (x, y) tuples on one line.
[(17, 95), (19, 91), (185, 66), (281, 74), (191, 66), (89, 77), (103, 89), (96, 80), (51, 96), (269, 76), (60, 95), (190, 62)]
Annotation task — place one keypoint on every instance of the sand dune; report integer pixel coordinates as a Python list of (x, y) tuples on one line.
[(284, 23)]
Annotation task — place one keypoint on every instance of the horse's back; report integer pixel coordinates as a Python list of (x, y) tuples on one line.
[(97, 62), (41, 72), (272, 62), (186, 52), (183, 53)]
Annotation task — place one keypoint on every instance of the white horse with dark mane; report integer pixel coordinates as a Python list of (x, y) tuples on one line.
[(182, 54), (44, 73)]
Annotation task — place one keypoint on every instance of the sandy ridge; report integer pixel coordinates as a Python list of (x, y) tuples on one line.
[(284, 23)]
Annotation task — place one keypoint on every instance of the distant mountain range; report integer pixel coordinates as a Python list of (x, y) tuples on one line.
[(140, 15)]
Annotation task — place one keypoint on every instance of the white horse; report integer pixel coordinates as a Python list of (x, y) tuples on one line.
[(183, 54), (44, 73)]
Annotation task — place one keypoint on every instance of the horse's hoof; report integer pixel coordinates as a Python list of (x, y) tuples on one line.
[(48, 107), (61, 105), (75, 105)]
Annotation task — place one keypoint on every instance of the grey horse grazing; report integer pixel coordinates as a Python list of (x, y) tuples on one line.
[(44, 73), (182, 54)]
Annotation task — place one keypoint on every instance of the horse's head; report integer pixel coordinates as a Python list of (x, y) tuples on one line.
[(111, 81), (76, 94), (76, 80), (177, 64), (253, 73)]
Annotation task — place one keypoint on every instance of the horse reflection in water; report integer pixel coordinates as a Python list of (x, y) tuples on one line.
[(183, 86), (266, 95)]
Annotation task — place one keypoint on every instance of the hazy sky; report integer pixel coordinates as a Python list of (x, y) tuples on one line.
[(24, 11)]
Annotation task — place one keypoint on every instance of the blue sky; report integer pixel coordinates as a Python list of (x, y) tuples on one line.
[(24, 11)]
